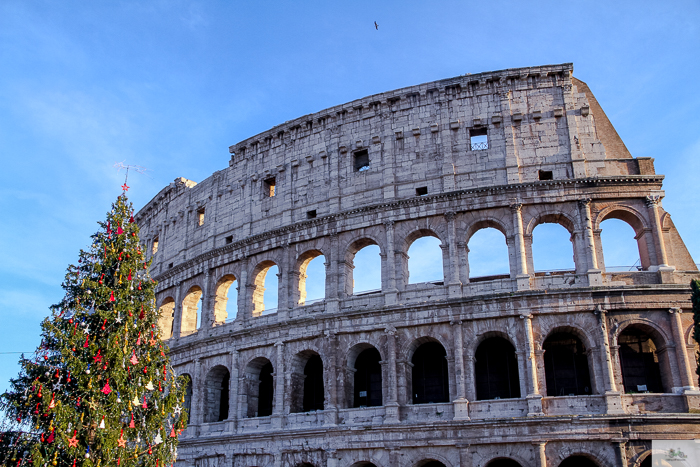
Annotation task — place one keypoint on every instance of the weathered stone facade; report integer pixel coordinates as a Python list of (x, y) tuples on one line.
[(461, 372)]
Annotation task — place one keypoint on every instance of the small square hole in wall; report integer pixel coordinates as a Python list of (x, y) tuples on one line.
[(269, 185), (311, 214), (361, 160), (478, 138), (422, 191), (170, 265), (200, 216), (546, 175), (229, 239)]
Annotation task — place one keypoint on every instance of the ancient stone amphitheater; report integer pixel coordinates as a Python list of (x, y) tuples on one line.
[(583, 367)]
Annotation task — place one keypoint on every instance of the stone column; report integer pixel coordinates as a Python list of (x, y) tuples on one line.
[(278, 409), (534, 398), (595, 276), (233, 393), (613, 398), (197, 404), (392, 405), (540, 457), (620, 446), (389, 282), (331, 408), (288, 280), (465, 460), (652, 202), (333, 276), (207, 311), (684, 368), (461, 405), (463, 252), (454, 285), (522, 277), (177, 314), (244, 305)]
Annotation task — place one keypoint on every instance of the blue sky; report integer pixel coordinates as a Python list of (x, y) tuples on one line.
[(169, 85)]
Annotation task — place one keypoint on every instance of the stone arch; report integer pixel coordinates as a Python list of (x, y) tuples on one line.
[(302, 264), (642, 361), (258, 285), (428, 457), (364, 464), (636, 221), (496, 368), (579, 460), (216, 394), (408, 241), (364, 374), (351, 250), (166, 317), (191, 313), (259, 388), (307, 385), (488, 223), (221, 290), (548, 216), (567, 363), (429, 373)]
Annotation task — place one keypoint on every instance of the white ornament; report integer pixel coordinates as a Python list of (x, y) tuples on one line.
[(150, 386), (158, 439), (136, 401)]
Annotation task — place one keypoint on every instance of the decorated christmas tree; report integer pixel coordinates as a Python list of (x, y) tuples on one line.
[(99, 390)]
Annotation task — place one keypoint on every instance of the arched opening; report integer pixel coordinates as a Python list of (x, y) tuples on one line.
[(639, 361), (259, 388), (488, 255), (646, 462), (312, 278), (424, 258), (187, 404), (166, 316), (363, 464), (503, 462), (496, 368), (430, 379), (191, 311), (216, 394), (430, 463), (226, 299), (621, 250), (552, 248), (313, 384), (367, 385), (363, 268), (566, 365), (578, 461), (265, 288)]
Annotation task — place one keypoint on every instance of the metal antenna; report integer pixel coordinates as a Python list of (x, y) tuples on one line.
[(136, 168)]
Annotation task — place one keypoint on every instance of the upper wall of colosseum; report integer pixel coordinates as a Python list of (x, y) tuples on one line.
[(490, 129)]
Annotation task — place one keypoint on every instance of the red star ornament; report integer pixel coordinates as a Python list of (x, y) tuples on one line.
[(125, 187), (73, 442)]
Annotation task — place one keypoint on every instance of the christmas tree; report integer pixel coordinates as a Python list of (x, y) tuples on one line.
[(99, 390)]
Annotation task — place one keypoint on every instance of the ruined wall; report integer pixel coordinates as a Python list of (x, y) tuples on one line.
[(509, 150)]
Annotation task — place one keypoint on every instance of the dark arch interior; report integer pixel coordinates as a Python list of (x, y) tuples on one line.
[(313, 384), (646, 462), (217, 395), (566, 365), (433, 464), (639, 362), (430, 377), (503, 463), (188, 395), (578, 461), (496, 369), (266, 391), (368, 379)]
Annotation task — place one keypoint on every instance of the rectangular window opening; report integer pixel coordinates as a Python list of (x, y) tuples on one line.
[(546, 175), (200, 216), (311, 214), (422, 191), (170, 266), (479, 139), (154, 248), (229, 239), (270, 187), (361, 162)]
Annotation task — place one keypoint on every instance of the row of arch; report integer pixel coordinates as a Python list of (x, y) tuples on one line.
[(496, 375), (366, 258), (576, 460)]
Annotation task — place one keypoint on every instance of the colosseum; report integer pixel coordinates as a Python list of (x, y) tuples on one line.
[(582, 367)]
